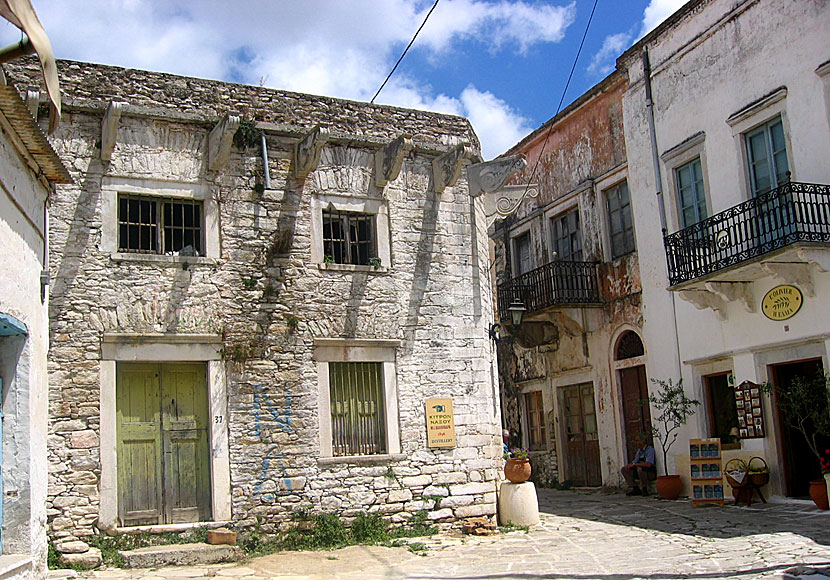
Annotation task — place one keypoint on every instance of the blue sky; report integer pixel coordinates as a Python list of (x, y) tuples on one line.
[(501, 63)]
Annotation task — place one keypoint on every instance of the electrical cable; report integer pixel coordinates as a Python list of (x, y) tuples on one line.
[(406, 50), (561, 100)]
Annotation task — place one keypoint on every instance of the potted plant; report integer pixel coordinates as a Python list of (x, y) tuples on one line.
[(824, 462), (517, 466), (804, 403), (673, 409)]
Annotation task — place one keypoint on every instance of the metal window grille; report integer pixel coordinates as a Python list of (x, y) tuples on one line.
[(159, 226), (619, 218), (358, 422), (535, 420), (348, 237)]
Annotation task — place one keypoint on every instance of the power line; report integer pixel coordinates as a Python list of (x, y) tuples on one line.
[(561, 100), (405, 51)]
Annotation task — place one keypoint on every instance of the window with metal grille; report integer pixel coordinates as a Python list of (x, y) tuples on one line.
[(160, 226), (348, 237), (691, 193), (358, 422), (535, 420), (630, 346), (619, 220), (567, 239)]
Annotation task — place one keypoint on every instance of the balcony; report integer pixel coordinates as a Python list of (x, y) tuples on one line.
[(558, 283), (793, 215)]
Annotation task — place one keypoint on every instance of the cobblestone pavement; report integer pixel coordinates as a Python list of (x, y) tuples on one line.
[(582, 535)]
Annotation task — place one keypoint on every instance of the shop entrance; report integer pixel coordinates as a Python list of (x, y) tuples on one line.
[(799, 465)]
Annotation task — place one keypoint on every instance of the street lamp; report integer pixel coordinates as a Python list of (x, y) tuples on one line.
[(517, 311)]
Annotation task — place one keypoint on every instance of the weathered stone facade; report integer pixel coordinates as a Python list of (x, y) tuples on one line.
[(262, 307), (568, 343)]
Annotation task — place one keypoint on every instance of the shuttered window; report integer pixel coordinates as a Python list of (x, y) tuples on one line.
[(766, 151), (567, 239), (619, 220), (358, 424), (691, 194), (521, 254), (535, 420)]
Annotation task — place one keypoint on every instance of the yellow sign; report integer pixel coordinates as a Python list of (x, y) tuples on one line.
[(782, 302), (440, 423)]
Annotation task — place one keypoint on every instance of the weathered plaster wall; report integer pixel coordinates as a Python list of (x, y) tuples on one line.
[(269, 302), (585, 153), (23, 358), (711, 63)]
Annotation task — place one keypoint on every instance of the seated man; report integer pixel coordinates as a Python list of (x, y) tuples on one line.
[(641, 469)]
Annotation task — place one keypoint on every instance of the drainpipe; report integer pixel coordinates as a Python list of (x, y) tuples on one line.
[(658, 181), (265, 161), (44, 273)]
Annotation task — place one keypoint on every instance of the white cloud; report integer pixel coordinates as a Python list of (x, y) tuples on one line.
[(603, 61), (340, 48), (657, 11)]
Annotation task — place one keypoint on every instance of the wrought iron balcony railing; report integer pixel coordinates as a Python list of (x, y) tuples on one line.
[(792, 213), (556, 283)]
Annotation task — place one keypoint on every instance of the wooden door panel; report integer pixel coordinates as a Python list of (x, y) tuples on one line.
[(184, 434), (636, 412), (582, 442), (138, 444)]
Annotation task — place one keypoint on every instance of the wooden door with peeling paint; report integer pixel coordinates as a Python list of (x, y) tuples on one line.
[(163, 467)]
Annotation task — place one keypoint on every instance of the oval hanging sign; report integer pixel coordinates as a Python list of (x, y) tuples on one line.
[(782, 302)]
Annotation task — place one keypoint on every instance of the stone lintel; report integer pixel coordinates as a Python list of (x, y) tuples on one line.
[(220, 141), (109, 128), (446, 168), (308, 150), (389, 160), (795, 273), (491, 176)]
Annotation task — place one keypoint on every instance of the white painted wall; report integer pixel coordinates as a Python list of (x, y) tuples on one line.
[(716, 61)]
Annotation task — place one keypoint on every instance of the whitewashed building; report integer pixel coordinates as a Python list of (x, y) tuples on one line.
[(739, 96), (255, 293)]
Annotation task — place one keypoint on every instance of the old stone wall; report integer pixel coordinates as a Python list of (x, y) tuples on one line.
[(269, 301)]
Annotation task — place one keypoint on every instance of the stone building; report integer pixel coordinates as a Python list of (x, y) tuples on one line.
[(29, 168), (572, 373), (255, 292), (741, 115)]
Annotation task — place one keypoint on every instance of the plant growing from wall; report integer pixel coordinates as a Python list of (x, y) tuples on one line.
[(246, 135), (673, 410), (292, 322), (375, 262), (327, 259)]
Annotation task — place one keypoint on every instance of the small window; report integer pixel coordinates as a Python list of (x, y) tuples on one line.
[(535, 420), (766, 151), (151, 225), (723, 413), (348, 237), (619, 220), (691, 194), (522, 257), (567, 239), (358, 425)]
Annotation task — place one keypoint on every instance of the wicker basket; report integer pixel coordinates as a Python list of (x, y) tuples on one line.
[(758, 478), (736, 465)]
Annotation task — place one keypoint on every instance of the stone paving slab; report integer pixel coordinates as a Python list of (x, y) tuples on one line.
[(582, 536)]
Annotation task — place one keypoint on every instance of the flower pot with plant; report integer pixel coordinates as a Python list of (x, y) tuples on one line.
[(517, 466), (804, 403), (673, 408), (824, 461)]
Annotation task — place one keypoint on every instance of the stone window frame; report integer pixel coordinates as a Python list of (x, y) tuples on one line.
[(379, 208), (112, 187), (683, 153), (159, 348), (328, 350), (752, 116)]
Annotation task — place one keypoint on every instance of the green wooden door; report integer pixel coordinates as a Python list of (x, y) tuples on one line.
[(163, 472)]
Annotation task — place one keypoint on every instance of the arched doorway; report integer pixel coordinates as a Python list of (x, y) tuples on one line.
[(629, 357)]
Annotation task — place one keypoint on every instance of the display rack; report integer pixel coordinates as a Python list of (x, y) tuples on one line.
[(706, 470)]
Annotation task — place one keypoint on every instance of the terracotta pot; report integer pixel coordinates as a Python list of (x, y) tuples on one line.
[(669, 486), (818, 491), (517, 470)]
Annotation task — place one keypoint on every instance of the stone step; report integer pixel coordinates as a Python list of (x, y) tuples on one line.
[(181, 555)]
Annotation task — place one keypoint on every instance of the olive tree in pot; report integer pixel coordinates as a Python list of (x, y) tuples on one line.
[(673, 409)]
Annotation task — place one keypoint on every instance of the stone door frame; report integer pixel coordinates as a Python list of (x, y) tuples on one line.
[(158, 348)]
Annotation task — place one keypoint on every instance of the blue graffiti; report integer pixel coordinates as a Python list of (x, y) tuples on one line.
[(281, 417), (273, 456)]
